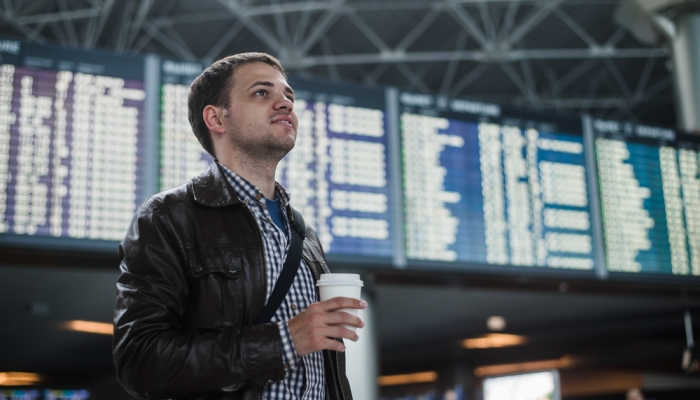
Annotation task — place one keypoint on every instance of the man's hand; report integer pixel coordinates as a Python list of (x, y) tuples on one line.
[(317, 327)]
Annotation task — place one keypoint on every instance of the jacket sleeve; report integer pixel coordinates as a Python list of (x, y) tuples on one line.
[(154, 354)]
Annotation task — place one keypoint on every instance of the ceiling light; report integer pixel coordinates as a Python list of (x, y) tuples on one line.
[(100, 328), (493, 340), (18, 378), (496, 323), (501, 369), (405, 379)]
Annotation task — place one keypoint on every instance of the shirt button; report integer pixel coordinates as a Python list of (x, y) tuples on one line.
[(258, 196), (294, 307)]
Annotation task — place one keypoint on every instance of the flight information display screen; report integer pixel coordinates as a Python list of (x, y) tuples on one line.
[(338, 173), (483, 187), (649, 180), (71, 141), (181, 155)]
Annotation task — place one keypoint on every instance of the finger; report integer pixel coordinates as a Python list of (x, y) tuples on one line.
[(344, 318), (332, 344), (340, 332), (343, 302)]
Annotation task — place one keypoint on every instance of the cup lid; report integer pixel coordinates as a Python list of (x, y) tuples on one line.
[(340, 283), (339, 277), (340, 280)]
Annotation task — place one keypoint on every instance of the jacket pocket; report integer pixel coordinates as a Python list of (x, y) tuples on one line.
[(216, 295)]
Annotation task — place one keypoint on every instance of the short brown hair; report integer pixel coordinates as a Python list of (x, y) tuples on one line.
[(213, 85)]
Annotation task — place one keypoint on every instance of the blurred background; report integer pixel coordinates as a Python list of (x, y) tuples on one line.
[(516, 181)]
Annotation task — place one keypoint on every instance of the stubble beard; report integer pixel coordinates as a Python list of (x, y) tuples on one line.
[(271, 150)]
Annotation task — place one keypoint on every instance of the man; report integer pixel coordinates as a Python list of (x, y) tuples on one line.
[(199, 262)]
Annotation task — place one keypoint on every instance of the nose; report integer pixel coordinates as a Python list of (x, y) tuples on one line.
[(284, 103)]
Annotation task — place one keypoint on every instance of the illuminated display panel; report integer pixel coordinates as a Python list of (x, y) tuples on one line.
[(64, 394), (71, 142), (181, 155), (534, 385), (338, 173), (20, 394), (480, 187), (649, 180)]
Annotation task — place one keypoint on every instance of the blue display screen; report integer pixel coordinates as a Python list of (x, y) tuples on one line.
[(649, 181), (71, 142), (338, 173), (483, 188), (20, 394)]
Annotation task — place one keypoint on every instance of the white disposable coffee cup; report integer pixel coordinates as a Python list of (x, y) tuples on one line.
[(341, 285)]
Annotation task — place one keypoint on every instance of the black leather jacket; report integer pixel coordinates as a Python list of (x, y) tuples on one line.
[(192, 281)]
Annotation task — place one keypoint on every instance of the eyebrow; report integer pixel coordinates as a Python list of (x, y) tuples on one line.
[(287, 89)]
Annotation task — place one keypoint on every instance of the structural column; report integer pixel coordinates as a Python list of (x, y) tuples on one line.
[(361, 357), (686, 62)]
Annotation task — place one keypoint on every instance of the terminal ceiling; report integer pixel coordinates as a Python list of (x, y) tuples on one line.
[(565, 56)]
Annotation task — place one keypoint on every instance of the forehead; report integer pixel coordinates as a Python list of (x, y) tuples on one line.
[(247, 74)]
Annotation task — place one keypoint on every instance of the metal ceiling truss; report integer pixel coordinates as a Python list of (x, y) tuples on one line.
[(300, 34)]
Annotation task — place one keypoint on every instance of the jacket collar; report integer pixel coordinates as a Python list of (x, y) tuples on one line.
[(211, 189)]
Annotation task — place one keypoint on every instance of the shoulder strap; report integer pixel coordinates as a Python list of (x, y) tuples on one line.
[(289, 270)]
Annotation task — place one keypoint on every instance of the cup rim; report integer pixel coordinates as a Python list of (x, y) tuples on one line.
[(340, 283)]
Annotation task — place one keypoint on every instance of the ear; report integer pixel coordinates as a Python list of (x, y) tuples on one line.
[(212, 117)]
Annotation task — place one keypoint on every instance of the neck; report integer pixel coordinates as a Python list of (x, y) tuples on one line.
[(261, 173)]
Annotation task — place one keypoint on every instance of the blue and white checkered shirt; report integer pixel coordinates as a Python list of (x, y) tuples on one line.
[(304, 377)]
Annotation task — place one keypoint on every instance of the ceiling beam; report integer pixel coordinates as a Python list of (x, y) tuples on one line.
[(489, 25), (468, 23), (532, 21), (366, 30), (97, 24), (449, 76), (575, 27), (34, 35), (413, 78), (482, 56), (467, 79), (170, 42), (508, 19), (322, 27), (57, 16), (281, 25), (574, 74), (419, 29), (644, 78), (220, 44), (240, 12), (68, 26), (144, 8)]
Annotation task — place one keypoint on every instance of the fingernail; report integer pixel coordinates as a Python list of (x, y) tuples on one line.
[(363, 303)]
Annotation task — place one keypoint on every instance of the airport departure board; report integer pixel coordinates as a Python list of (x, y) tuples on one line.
[(86, 136), (181, 155), (71, 141), (338, 173), (482, 187), (649, 181)]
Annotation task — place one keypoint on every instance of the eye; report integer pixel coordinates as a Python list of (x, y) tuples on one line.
[(261, 92)]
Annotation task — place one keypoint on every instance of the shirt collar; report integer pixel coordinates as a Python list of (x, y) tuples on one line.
[(248, 193)]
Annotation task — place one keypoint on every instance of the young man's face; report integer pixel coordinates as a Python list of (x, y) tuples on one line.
[(260, 119)]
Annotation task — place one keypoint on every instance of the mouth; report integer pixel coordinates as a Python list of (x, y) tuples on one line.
[(283, 120)]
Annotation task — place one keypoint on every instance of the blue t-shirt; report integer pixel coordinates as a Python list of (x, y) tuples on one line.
[(273, 207)]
